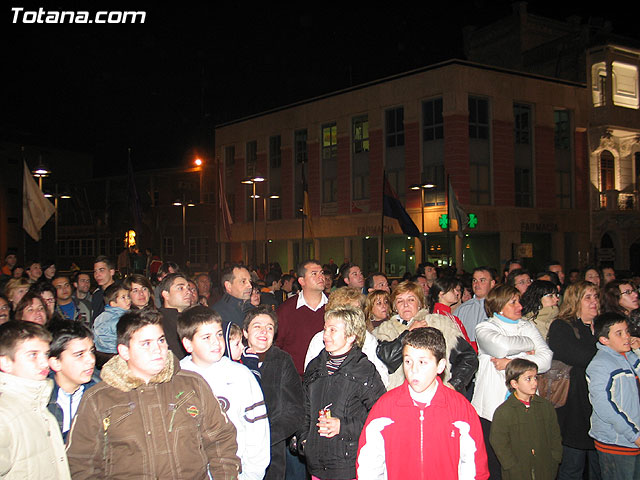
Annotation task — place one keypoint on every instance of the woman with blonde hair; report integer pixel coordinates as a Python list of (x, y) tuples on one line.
[(410, 313), (377, 308), (15, 290), (572, 340)]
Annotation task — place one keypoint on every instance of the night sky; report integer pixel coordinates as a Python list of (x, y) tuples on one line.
[(161, 87)]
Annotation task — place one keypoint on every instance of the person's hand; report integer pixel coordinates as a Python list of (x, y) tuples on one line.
[(635, 342), (418, 324), (500, 363), (637, 442), (328, 426), (531, 352)]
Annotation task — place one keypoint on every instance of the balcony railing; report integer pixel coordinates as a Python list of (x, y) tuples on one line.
[(614, 200)]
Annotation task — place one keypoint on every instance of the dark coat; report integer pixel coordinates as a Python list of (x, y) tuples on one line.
[(232, 309), (53, 406), (575, 416), (170, 327), (283, 396), (527, 440), (351, 390)]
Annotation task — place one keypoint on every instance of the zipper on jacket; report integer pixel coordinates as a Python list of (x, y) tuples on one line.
[(105, 426), (421, 443), (173, 407)]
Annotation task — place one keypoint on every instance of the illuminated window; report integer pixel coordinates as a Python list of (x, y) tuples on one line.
[(624, 86), (360, 158), (330, 163)]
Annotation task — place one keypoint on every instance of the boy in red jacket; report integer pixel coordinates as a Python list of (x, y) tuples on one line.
[(423, 412)]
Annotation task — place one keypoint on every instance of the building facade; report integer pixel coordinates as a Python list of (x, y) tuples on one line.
[(513, 145)]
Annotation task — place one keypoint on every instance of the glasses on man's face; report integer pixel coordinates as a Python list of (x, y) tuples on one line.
[(627, 292), (524, 282)]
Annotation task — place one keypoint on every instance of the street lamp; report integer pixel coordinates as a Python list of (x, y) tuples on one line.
[(200, 164), (422, 187), (41, 171), (252, 181), (55, 197), (184, 204), (266, 238)]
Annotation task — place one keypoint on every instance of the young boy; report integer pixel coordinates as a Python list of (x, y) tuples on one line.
[(422, 429), (72, 361), (240, 396), (525, 433), (612, 377), (118, 302), (148, 418), (233, 342), (31, 443)]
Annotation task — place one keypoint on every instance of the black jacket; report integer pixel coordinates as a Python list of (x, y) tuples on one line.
[(232, 309), (575, 416), (351, 390), (170, 327), (283, 396), (462, 358)]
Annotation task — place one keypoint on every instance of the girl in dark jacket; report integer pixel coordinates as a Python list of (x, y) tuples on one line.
[(340, 387)]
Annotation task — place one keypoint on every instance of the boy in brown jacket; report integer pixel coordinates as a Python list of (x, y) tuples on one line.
[(148, 418)]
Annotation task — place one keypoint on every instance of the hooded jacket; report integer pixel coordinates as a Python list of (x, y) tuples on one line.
[(171, 427), (30, 441)]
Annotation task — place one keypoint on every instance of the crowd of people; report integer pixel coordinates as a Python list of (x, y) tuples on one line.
[(145, 369)]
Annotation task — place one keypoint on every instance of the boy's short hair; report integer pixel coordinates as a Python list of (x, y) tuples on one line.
[(301, 271), (515, 368), (603, 322), (63, 332), (354, 322), (167, 282), (427, 338), (111, 293), (234, 331), (191, 318), (106, 260), (15, 332), (134, 320), (260, 310)]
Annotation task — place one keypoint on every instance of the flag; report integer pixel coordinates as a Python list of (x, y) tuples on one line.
[(36, 209), (227, 221), (134, 199), (457, 211), (392, 207), (306, 210)]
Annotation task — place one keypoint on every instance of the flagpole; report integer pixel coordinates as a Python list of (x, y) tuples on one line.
[(449, 218), (381, 264), (304, 190)]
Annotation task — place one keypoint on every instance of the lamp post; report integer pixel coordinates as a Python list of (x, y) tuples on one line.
[(266, 238), (252, 181), (184, 204), (55, 197), (41, 171), (200, 164), (422, 187)]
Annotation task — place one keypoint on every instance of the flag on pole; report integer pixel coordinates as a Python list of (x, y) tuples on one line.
[(457, 211), (36, 209), (227, 221), (392, 207), (306, 211)]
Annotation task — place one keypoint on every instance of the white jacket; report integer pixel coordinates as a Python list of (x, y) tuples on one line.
[(31, 444), (240, 397), (369, 349), (503, 339)]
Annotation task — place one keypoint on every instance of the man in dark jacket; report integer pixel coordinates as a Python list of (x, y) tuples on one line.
[(234, 304)]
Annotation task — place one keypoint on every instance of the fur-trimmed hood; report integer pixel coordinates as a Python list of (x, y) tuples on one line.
[(116, 374)]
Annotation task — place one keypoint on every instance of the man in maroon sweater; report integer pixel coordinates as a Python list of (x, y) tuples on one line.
[(302, 316)]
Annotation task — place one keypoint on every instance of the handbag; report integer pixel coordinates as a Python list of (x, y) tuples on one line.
[(554, 384)]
